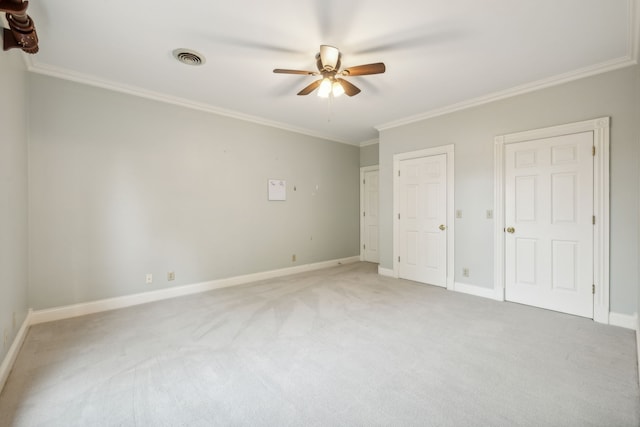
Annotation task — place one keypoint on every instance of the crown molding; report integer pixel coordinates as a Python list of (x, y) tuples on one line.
[(632, 58), (89, 80), (514, 91), (373, 141)]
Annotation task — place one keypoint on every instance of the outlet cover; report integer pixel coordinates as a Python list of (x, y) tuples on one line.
[(465, 272), (149, 278), (171, 275)]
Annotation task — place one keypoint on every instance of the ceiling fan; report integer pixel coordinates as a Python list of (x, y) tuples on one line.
[(332, 83)]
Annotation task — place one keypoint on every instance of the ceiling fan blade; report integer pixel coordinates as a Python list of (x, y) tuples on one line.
[(313, 86), (363, 70), (283, 71), (349, 88)]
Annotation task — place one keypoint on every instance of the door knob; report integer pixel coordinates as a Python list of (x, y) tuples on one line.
[(442, 227), (511, 230)]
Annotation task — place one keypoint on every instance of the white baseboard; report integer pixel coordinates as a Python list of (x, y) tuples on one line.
[(638, 349), (629, 321), (10, 358), (65, 312), (388, 272), (478, 291)]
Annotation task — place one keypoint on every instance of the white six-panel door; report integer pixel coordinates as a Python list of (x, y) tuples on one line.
[(549, 228), (423, 219), (370, 216)]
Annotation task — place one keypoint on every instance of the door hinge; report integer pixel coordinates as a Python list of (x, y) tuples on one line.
[(364, 247), (593, 151), (593, 220), (398, 216), (593, 289), (364, 181), (398, 173), (398, 259), (364, 214)]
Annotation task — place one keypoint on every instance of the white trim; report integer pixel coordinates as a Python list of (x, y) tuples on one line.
[(478, 291), (628, 321), (638, 348), (634, 31), (498, 216), (73, 76), (58, 313), (449, 150), (600, 129), (601, 210), (386, 272), (12, 354), (592, 70), (363, 170), (373, 141)]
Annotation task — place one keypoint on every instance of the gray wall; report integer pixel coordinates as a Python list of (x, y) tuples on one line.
[(473, 130), (13, 197), (122, 186), (369, 155)]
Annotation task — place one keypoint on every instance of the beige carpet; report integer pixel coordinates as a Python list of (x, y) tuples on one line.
[(337, 347)]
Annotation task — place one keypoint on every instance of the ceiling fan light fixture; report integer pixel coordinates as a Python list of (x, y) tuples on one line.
[(329, 57), (325, 88), (337, 89)]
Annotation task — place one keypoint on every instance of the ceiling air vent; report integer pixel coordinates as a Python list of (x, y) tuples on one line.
[(188, 57)]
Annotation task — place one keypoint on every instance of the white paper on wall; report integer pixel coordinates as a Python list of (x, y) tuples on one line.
[(277, 189)]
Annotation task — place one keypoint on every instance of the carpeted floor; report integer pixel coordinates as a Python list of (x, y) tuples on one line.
[(336, 347)]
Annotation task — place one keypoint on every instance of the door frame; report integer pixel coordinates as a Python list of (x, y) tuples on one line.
[(600, 129), (427, 152), (363, 171)]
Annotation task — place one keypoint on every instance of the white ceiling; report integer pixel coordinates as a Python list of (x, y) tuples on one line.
[(440, 54)]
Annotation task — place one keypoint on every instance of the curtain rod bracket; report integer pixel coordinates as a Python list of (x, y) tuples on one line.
[(22, 32)]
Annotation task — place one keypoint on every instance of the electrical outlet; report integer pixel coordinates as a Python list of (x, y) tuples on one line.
[(465, 272), (489, 214), (458, 213), (171, 275), (293, 258), (149, 278)]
